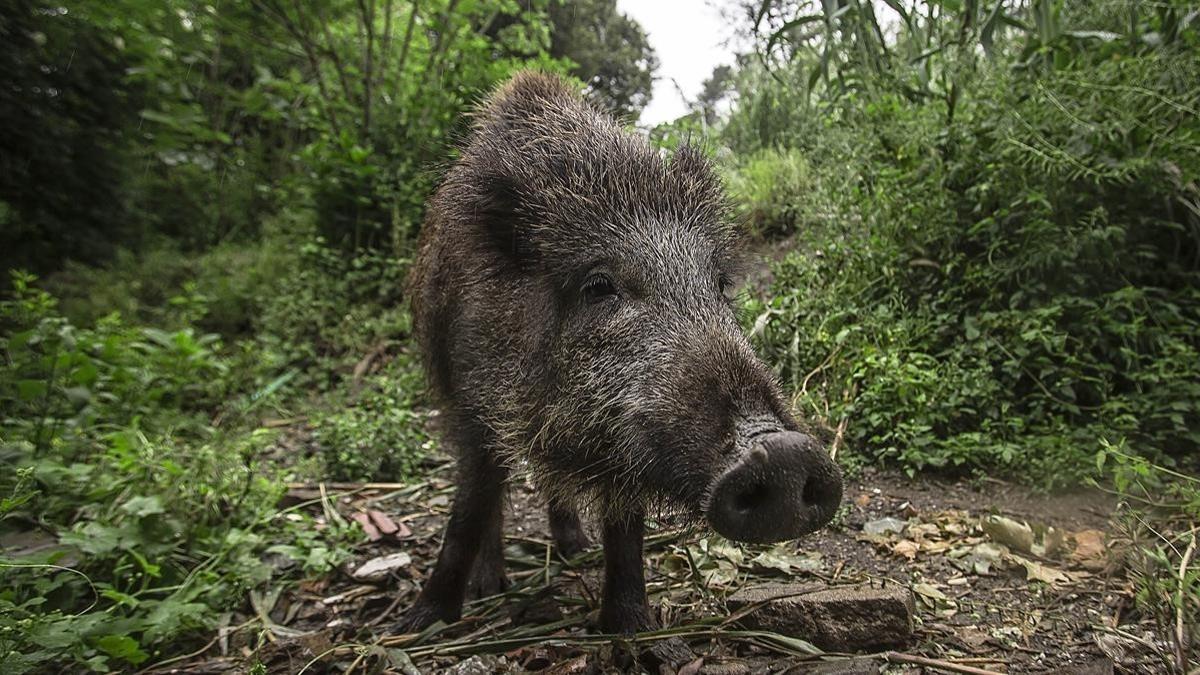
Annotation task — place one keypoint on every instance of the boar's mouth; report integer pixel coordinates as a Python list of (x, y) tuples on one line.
[(783, 487)]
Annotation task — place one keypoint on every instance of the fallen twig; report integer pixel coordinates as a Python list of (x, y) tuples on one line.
[(838, 435), (1181, 646), (157, 667), (897, 657), (347, 486)]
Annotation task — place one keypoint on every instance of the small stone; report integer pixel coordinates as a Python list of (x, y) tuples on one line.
[(725, 667), (838, 618)]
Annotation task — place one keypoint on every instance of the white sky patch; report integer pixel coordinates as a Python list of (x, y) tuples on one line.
[(687, 36)]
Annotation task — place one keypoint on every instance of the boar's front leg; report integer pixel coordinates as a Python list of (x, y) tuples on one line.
[(476, 515), (623, 607)]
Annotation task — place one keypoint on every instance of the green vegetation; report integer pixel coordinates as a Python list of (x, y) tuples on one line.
[(150, 519), (999, 233), (991, 215)]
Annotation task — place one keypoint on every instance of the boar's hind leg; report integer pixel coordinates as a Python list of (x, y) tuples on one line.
[(567, 529), (475, 515), (623, 607)]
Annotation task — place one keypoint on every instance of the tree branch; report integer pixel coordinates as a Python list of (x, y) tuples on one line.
[(385, 44), (368, 20), (408, 33), (310, 53)]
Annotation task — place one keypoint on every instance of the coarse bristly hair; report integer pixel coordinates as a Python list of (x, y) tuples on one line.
[(546, 188)]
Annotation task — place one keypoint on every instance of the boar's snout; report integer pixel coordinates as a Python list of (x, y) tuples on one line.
[(782, 488)]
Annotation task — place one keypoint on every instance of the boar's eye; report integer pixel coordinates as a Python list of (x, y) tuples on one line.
[(598, 286)]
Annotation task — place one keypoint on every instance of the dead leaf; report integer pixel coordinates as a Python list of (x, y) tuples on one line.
[(368, 527), (1017, 536), (377, 569), (314, 585), (1089, 550), (692, 668), (579, 664), (782, 559), (906, 548), (1035, 571), (381, 520), (862, 500), (935, 547), (719, 573), (941, 604), (973, 637), (922, 530), (1054, 542), (717, 547), (929, 593), (982, 557)]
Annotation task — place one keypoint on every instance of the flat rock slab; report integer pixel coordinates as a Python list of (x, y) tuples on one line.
[(835, 618)]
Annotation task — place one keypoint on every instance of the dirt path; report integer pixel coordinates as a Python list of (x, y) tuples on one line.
[(1055, 606)]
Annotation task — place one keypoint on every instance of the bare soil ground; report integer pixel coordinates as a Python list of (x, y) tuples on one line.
[(986, 598)]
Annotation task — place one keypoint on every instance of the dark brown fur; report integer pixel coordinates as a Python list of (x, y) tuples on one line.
[(628, 400)]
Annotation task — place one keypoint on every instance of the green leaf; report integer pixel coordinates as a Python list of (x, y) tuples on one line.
[(122, 647), (143, 506), (120, 598), (93, 538), (29, 390)]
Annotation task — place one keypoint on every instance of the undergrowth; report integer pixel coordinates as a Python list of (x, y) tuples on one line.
[(999, 294), (1159, 522), (142, 505)]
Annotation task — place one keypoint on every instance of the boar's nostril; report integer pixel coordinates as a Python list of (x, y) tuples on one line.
[(815, 491), (752, 499)]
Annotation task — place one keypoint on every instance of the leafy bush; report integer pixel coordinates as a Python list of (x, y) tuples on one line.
[(157, 521), (326, 312), (378, 432), (1158, 516), (999, 293), (770, 188)]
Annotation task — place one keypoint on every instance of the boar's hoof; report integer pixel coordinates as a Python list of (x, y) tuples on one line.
[(625, 618), (571, 544), (486, 581), (783, 488), (423, 615)]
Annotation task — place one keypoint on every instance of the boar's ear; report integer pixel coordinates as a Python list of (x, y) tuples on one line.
[(499, 212)]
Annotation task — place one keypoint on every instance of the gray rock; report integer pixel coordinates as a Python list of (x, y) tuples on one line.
[(884, 526), (834, 618)]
